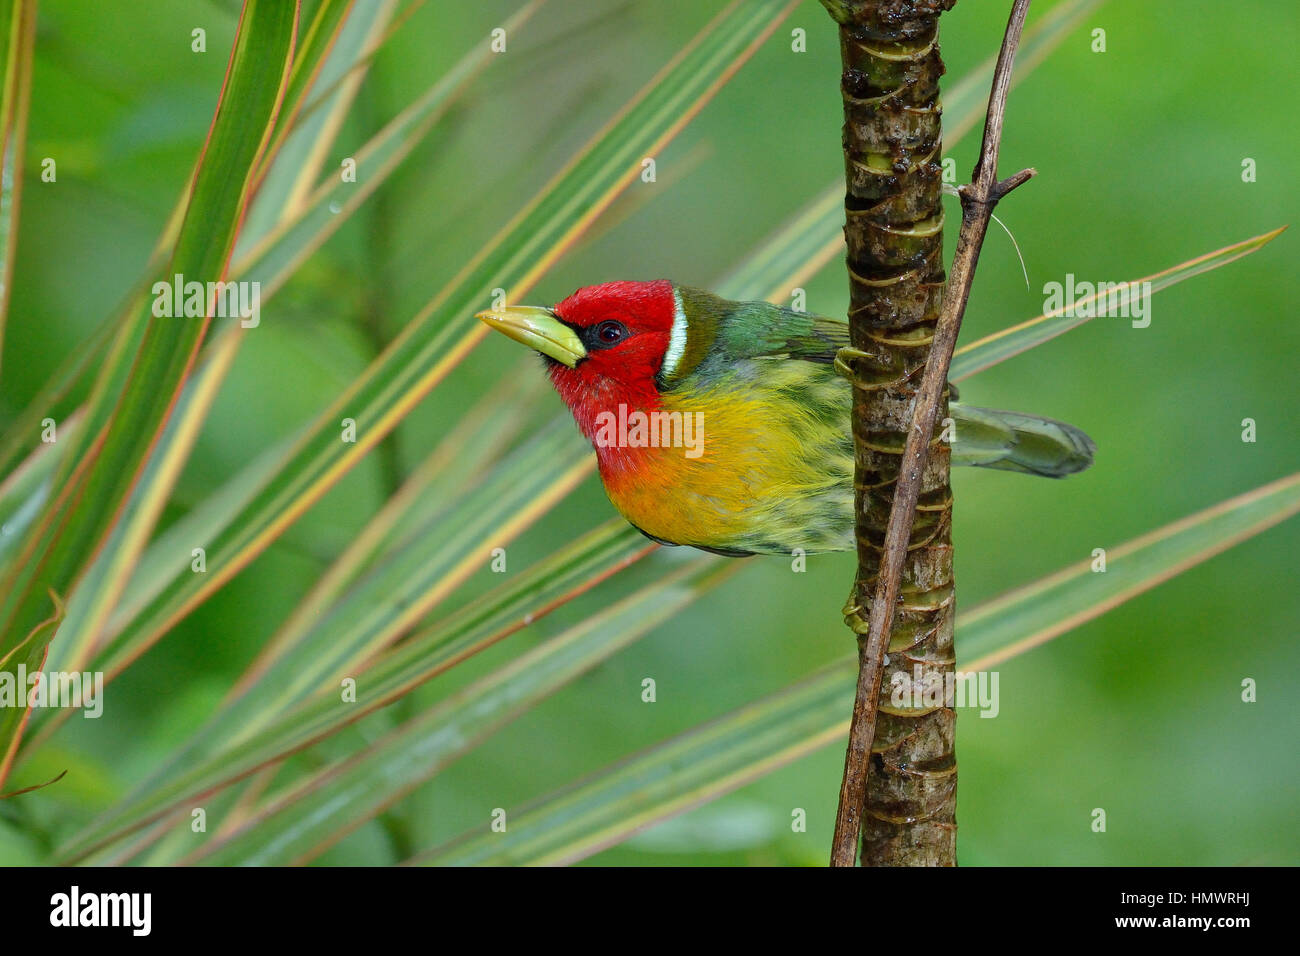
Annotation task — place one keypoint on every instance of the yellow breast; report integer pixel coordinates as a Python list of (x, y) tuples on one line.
[(749, 471)]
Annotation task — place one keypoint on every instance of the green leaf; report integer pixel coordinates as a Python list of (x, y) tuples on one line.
[(278, 195), (80, 365), (327, 48), (1000, 346), (437, 551), (797, 251), (17, 40), (283, 177), (24, 490), (86, 634), (153, 355), (319, 212), (1029, 616), (325, 807), (441, 495), (669, 779), (966, 101), (716, 758), (509, 608), (407, 584), (103, 581)]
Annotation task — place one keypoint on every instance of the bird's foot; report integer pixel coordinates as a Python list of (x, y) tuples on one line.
[(844, 359), (853, 614)]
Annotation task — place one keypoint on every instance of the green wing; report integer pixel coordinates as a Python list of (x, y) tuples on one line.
[(723, 333), (760, 329)]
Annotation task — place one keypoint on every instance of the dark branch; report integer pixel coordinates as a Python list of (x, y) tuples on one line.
[(977, 200)]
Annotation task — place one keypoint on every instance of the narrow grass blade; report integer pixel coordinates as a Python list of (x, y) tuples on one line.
[(667, 780), (514, 605), (17, 41), (718, 757), (283, 177), (314, 814), (103, 463), (1000, 346)]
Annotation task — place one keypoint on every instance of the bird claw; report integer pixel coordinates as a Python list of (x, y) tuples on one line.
[(846, 354), (853, 618)]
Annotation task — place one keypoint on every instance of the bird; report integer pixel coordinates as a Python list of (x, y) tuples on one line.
[(724, 425)]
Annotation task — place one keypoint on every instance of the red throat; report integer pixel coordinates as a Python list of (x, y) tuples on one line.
[(623, 374)]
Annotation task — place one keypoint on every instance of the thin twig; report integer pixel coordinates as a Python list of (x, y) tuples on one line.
[(977, 202)]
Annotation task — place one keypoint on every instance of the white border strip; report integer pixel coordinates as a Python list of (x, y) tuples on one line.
[(677, 340)]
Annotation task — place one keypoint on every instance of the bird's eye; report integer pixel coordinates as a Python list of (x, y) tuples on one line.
[(608, 333)]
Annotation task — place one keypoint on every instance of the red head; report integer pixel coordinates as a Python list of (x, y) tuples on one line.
[(625, 328), (604, 345)]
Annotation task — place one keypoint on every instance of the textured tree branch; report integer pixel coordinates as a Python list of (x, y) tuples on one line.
[(899, 784)]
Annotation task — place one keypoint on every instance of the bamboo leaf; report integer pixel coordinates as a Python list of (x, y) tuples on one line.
[(1000, 346), (17, 41), (319, 811), (510, 607), (669, 779), (716, 758), (283, 178), (319, 212), (153, 355)]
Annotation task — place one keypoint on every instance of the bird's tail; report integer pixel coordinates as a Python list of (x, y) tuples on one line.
[(1014, 441)]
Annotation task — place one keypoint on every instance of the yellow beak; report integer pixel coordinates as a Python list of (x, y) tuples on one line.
[(538, 329)]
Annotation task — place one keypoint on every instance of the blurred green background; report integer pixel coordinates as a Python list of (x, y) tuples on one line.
[(1139, 152)]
